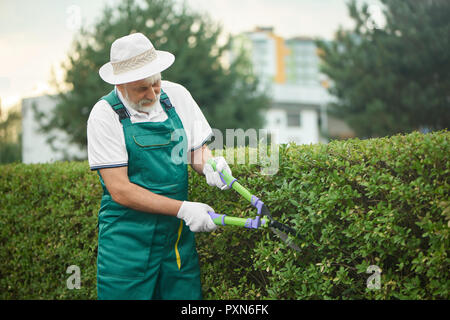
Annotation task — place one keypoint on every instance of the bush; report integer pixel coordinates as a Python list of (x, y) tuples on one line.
[(355, 203), (49, 218)]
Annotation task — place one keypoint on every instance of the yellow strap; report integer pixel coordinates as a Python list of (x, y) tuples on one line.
[(176, 245)]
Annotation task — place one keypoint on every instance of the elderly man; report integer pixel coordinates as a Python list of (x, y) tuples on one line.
[(146, 245)]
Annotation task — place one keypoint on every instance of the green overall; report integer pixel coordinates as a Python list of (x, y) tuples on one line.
[(144, 255)]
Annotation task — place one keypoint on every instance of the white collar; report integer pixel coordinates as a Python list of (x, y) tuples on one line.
[(156, 110)]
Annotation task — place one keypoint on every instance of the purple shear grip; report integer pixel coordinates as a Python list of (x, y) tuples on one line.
[(224, 182), (257, 204), (250, 223), (221, 177), (253, 223), (257, 222), (214, 215), (254, 200)]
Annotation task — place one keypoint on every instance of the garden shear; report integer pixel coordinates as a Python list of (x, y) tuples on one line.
[(262, 220)]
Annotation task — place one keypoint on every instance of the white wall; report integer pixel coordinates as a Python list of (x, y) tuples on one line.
[(306, 133), (35, 148), (313, 95)]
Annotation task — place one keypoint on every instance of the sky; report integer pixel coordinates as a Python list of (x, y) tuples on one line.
[(35, 36)]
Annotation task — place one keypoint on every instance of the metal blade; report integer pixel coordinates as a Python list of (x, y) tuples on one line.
[(285, 238)]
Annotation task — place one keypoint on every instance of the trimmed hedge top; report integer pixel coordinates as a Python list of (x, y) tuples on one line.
[(356, 203)]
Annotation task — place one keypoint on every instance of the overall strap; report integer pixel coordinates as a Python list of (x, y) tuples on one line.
[(165, 101), (118, 107)]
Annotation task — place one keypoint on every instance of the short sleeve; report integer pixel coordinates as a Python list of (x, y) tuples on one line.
[(196, 126), (106, 142)]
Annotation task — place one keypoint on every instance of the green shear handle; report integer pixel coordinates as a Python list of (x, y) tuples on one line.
[(224, 220), (248, 223), (267, 222), (231, 181)]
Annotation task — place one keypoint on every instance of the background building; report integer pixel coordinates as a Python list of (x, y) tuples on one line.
[(289, 71), (35, 145)]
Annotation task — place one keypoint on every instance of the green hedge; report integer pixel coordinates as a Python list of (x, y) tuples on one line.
[(355, 203)]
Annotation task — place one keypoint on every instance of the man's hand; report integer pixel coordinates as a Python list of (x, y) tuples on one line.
[(196, 216), (213, 177)]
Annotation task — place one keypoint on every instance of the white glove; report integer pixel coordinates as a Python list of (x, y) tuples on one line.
[(196, 216), (213, 177)]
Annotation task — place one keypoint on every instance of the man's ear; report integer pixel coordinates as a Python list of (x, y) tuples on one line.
[(121, 88)]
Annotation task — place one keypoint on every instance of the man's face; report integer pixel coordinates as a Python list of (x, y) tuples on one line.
[(141, 94)]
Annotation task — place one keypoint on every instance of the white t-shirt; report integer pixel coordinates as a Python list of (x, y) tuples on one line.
[(106, 141)]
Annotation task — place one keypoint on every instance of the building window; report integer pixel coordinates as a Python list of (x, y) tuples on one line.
[(293, 119)]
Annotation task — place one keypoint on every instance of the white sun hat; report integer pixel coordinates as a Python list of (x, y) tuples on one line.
[(133, 58)]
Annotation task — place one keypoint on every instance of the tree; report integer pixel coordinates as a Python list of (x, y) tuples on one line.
[(393, 78), (10, 136), (227, 95)]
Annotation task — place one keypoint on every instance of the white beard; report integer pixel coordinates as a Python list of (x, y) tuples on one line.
[(140, 107)]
